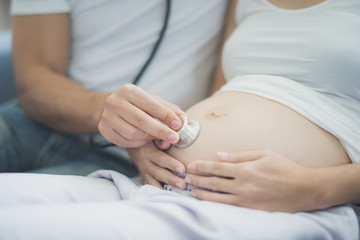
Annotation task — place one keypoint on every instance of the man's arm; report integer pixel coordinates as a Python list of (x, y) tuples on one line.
[(41, 56), (41, 49)]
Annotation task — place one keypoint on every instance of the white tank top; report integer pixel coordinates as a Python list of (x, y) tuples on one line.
[(112, 39), (317, 46), (307, 59)]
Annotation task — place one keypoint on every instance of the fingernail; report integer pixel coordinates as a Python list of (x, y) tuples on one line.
[(192, 166), (175, 124), (223, 155), (179, 185), (188, 180), (179, 170), (173, 138), (193, 194)]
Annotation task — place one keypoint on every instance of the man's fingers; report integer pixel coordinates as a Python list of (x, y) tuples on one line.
[(153, 107), (174, 108), (144, 122), (221, 169), (114, 137), (162, 145), (127, 130)]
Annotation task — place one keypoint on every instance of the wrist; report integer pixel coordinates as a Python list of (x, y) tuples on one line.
[(321, 189), (333, 185), (98, 101)]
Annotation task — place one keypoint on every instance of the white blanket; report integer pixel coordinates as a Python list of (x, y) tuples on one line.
[(109, 205)]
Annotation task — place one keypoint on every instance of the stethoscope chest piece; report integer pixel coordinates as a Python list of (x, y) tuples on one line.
[(188, 132)]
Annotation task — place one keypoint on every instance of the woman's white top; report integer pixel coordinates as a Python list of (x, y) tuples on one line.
[(307, 59), (112, 39)]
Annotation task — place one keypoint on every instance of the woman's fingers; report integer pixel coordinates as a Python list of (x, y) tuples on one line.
[(167, 177), (261, 179), (221, 169), (215, 197), (164, 160), (148, 179), (155, 163), (242, 156), (216, 184)]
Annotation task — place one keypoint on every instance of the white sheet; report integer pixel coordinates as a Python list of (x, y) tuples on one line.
[(108, 205)]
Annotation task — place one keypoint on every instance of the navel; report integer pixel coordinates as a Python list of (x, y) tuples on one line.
[(216, 115)]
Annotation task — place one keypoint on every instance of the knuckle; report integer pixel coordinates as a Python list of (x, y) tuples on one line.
[(220, 170), (127, 87), (162, 132), (199, 194), (122, 143), (162, 159), (248, 168), (140, 121), (101, 128), (233, 201), (126, 91), (105, 118), (157, 98), (143, 166), (173, 181), (154, 106), (213, 184), (194, 180), (239, 168), (111, 101), (130, 133)]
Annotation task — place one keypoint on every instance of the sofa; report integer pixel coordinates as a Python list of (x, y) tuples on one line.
[(7, 84)]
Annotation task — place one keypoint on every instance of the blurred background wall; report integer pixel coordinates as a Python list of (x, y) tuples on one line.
[(5, 21)]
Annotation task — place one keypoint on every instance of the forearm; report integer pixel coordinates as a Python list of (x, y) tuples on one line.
[(338, 184), (59, 102), (41, 53)]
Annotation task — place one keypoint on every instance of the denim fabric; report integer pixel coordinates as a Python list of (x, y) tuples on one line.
[(29, 146)]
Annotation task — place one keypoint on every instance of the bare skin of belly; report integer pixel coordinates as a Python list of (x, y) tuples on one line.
[(234, 121)]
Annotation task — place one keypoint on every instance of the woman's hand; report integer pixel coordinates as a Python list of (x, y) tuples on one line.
[(153, 164), (259, 179), (129, 116)]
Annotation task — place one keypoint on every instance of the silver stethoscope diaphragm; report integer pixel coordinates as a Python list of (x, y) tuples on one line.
[(188, 132)]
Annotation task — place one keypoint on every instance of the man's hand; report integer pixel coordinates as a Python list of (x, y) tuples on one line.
[(129, 118), (259, 179), (153, 165)]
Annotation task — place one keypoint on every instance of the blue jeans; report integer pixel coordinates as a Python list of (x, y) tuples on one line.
[(27, 146)]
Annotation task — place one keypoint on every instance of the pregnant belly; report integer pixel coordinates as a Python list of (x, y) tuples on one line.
[(235, 121)]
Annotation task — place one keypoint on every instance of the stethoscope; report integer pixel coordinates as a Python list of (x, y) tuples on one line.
[(189, 131)]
